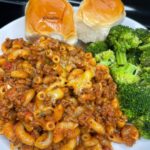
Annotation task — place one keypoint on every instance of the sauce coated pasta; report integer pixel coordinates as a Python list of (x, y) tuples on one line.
[(54, 96)]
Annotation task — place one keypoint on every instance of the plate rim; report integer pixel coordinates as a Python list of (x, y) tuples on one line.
[(11, 22)]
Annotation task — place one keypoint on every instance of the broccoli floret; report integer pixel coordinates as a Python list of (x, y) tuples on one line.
[(144, 35), (135, 97), (145, 47), (106, 58), (97, 47), (122, 39), (135, 103), (126, 74), (133, 56), (145, 58), (146, 69), (145, 76), (143, 125)]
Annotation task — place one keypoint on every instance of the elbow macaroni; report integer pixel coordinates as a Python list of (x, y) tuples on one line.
[(18, 53), (70, 145), (44, 140), (23, 136), (58, 113), (54, 96), (19, 74), (8, 131), (97, 127), (29, 95)]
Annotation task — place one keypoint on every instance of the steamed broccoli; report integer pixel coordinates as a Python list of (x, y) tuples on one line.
[(126, 74), (146, 69), (145, 47), (145, 58), (144, 35), (122, 39), (135, 103), (143, 124), (145, 76), (135, 97), (97, 47), (133, 56), (106, 58)]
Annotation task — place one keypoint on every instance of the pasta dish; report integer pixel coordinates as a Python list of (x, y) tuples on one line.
[(54, 96)]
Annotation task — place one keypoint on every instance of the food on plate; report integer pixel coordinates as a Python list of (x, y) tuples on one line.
[(122, 39), (95, 18), (53, 96), (135, 103), (144, 35), (106, 58), (52, 18), (126, 74), (97, 47), (131, 72)]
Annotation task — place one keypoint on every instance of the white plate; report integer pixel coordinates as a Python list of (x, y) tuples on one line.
[(16, 29)]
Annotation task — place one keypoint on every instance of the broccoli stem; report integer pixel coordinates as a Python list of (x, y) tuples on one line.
[(132, 69), (121, 58)]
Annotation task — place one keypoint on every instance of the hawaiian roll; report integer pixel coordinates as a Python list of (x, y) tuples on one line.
[(51, 18), (95, 18)]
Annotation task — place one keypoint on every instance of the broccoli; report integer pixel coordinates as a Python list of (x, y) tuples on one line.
[(146, 69), (122, 39), (145, 58), (143, 124), (135, 97), (106, 58), (145, 76), (144, 35), (135, 103), (133, 56), (97, 47), (126, 74), (145, 47)]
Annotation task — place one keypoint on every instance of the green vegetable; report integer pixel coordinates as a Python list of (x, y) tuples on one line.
[(97, 47), (145, 58), (133, 56), (126, 74), (135, 103), (145, 76), (146, 69), (143, 124), (106, 58), (122, 39), (145, 47), (144, 35), (136, 98)]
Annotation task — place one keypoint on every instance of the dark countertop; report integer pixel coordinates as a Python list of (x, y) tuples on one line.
[(140, 11)]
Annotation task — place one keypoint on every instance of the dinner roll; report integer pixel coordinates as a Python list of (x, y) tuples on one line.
[(53, 18), (95, 18)]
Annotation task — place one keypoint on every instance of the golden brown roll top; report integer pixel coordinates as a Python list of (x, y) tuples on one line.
[(52, 18), (100, 12), (97, 16)]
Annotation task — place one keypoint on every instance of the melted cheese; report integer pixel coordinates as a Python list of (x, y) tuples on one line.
[(82, 81)]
